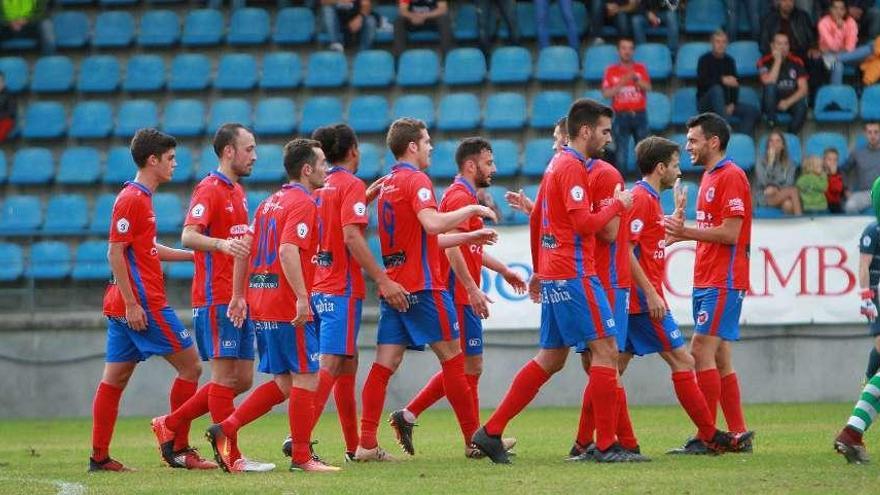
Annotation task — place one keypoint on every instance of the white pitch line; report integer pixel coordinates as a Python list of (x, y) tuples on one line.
[(64, 487)]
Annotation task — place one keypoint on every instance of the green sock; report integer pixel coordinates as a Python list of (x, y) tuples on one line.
[(867, 406), (873, 363)]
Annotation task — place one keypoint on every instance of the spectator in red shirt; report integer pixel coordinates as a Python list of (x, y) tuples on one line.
[(785, 84), (8, 110), (836, 189), (627, 84)]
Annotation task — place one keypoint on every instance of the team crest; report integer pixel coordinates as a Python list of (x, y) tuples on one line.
[(710, 194), (197, 211), (424, 194), (702, 317), (302, 230), (636, 226), (866, 241), (577, 193)]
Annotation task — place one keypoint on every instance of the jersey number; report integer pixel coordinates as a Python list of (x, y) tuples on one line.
[(266, 243), (388, 221)]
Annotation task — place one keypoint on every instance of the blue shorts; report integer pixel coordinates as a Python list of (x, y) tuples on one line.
[(574, 311), (165, 335), (286, 349), (647, 336), (340, 323), (716, 311), (470, 329), (618, 299), (430, 318), (217, 337)]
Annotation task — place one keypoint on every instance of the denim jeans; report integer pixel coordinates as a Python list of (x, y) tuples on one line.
[(486, 21), (798, 111), (542, 23), (668, 18), (338, 33), (744, 115), (756, 8), (627, 124), (853, 57)]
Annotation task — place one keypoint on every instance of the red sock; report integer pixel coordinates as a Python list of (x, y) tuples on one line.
[(181, 392), (604, 382), (586, 426), (258, 403), (474, 383), (458, 392), (325, 386), (372, 402), (522, 390), (731, 405), (346, 408), (625, 434), (301, 415), (694, 403), (710, 385), (220, 403), (428, 395), (104, 410)]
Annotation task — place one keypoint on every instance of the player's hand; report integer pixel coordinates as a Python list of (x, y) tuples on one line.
[(535, 289), (236, 311), (868, 309), (519, 201), (136, 317), (681, 198), (303, 312), (235, 247), (356, 23), (479, 301), (485, 212), (674, 225), (624, 196), (483, 236), (514, 280), (374, 188), (394, 294), (656, 306)]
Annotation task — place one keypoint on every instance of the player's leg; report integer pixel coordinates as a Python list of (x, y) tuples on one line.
[(731, 404), (105, 409), (586, 425), (707, 305), (388, 358), (346, 405), (618, 299), (688, 392), (874, 356), (849, 440)]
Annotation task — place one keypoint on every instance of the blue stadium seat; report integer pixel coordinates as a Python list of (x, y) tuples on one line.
[(389, 12), (101, 213), (237, 71), (704, 16), (746, 54), (464, 66), (688, 56), (506, 155), (510, 65), (20, 215), (50, 260), (254, 198), (657, 59), (144, 73), (372, 69), (596, 94), (208, 161), (16, 71), (742, 149), (159, 28), (817, 143), (281, 70), (792, 144), (91, 120), (98, 74), (684, 105), (52, 74), (71, 29), (320, 111), (465, 23), (327, 69), (505, 111), (836, 103), (557, 64), (180, 270), (134, 115), (443, 160), (459, 112), (659, 111), (120, 166), (371, 161), (44, 120), (184, 117), (416, 106), (684, 156), (418, 67), (504, 209), (750, 96), (184, 171), (275, 116), (169, 212), (870, 104), (269, 166), (11, 262), (596, 59), (548, 107), (66, 214), (116, 3), (113, 29), (91, 261), (32, 166), (190, 72), (368, 114), (225, 110), (203, 27), (537, 155), (79, 165), (294, 25), (248, 26)]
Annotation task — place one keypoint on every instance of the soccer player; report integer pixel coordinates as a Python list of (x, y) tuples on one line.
[(476, 169), (721, 268), (279, 276), (409, 224), (214, 228), (574, 307), (140, 323)]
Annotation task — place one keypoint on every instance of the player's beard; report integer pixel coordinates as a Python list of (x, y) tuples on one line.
[(484, 180), (244, 171)]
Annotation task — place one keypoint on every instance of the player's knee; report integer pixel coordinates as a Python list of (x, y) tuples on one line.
[(586, 359), (473, 365), (191, 371), (242, 384)]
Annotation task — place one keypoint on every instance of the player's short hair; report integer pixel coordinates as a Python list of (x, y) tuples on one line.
[(653, 150), (583, 112), (148, 142), (336, 141), (621, 39), (226, 135), (871, 122), (470, 147), (830, 149), (562, 124), (712, 125), (402, 132), (718, 32), (297, 153)]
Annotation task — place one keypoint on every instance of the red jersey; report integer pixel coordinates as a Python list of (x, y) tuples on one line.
[(219, 207), (724, 193), (411, 256), (631, 97), (134, 224), (342, 201), (648, 235), (460, 194), (612, 259), (286, 217)]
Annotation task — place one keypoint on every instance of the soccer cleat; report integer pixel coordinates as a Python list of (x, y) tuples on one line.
[(615, 453), (313, 466), (472, 452), (376, 454), (725, 441), (490, 445), (577, 449), (583, 453), (851, 448), (403, 430), (287, 446), (243, 465), (108, 464), (165, 438), (744, 446), (693, 446), (349, 457), (222, 446), (190, 458)]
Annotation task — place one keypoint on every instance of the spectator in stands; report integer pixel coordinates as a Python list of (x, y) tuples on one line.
[(626, 84), (755, 9), (802, 38), (420, 15), (838, 34), (542, 23), (8, 110), (863, 167), (655, 13), (774, 177), (864, 12), (615, 12), (785, 84), (836, 189), (488, 25), (347, 20), (812, 185), (27, 19), (718, 87)]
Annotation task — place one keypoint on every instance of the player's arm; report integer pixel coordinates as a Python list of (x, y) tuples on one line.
[(171, 254), (393, 292), (726, 233), (656, 306), (510, 276), (519, 201), (535, 244), (436, 223), (868, 308), (291, 266), (476, 298), (236, 311), (193, 238), (609, 231), (480, 236), (134, 313)]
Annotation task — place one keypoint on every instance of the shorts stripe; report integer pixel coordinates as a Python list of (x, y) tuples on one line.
[(301, 355), (166, 330), (660, 332), (593, 307), (719, 312), (445, 327), (349, 328), (462, 334), (215, 331)]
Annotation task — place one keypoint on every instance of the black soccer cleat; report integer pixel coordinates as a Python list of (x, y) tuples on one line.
[(636, 454), (287, 446), (744, 446), (615, 454), (580, 454), (403, 430), (491, 446), (693, 446), (725, 441)]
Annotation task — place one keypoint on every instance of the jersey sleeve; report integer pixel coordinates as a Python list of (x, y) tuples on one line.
[(453, 200), (573, 184), (606, 78), (638, 217), (602, 188), (354, 204), (421, 192), (126, 214), (201, 207), (298, 226), (870, 240), (733, 199)]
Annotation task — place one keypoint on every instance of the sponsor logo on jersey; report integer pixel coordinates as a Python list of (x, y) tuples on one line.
[(323, 258), (549, 241), (263, 281), (240, 229), (736, 204), (228, 344), (394, 259), (474, 342)]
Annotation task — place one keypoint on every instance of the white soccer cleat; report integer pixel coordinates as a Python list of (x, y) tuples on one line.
[(243, 465)]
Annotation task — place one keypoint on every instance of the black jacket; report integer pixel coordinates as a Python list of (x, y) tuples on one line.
[(802, 29), (8, 106)]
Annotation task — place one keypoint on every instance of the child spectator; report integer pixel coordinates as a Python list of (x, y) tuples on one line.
[(812, 185), (836, 190)]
